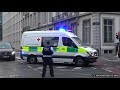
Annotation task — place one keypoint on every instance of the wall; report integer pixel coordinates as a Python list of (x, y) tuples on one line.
[(111, 46)]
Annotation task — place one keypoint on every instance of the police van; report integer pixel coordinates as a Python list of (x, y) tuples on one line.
[(68, 48)]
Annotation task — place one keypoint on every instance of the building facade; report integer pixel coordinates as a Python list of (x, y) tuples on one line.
[(0, 26), (12, 30), (95, 29), (98, 31)]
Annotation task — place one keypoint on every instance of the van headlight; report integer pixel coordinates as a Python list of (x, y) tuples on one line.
[(13, 52), (91, 54), (88, 53)]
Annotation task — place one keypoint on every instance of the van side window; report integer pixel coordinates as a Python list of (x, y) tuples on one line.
[(68, 42), (53, 41)]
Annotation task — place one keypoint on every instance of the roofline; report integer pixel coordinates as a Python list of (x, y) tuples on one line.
[(52, 32), (88, 13)]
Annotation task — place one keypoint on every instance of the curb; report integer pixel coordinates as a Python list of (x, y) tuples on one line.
[(110, 59)]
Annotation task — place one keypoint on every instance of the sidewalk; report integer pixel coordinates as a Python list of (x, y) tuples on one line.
[(113, 58)]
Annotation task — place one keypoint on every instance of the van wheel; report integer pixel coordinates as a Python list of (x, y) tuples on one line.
[(79, 62), (32, 60), (118, 55)]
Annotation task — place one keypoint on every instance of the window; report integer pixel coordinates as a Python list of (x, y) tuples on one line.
[(31, 20), (34, 20), (50, 16), (74, 28), (108, 29), (53, 41), (68, 42), (108, 51), (38, 17), (5, 46), (105, 51), (87, 31)]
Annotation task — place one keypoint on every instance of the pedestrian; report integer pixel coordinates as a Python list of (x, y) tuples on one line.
[(118, 52), (47, 59)]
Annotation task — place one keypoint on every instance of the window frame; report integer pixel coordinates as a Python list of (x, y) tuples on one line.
[(113, 29), (72, 43), (85, 33), (42, 45)]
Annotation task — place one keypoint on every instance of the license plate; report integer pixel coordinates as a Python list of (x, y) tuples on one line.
[(5, 56)]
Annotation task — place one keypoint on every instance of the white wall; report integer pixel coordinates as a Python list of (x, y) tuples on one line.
[(116, 28), (80, 27)]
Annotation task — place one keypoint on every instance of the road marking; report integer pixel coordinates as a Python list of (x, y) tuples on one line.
[(118, 66), (65, 70), (40, 72), (77, 68), (10, 75), (39, 68), (29, 66), (18, 58), (107, 65), (110, 60), (107, 70), (35, 69), (62, 67), (14, 75), (93, 68)]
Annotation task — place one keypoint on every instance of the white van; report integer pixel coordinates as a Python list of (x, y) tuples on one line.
[(67, 47)]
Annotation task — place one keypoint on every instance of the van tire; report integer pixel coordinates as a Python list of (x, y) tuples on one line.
[(32, 59), (79, 62), (118, 55)]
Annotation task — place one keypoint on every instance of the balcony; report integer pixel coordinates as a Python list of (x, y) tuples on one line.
[(64, 16)]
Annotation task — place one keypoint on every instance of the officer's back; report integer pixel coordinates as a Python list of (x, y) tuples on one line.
[(47, 59)]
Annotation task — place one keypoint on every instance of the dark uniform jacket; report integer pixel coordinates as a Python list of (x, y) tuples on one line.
[(47, 54)]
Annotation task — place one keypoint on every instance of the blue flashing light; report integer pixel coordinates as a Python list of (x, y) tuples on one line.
[(23, 52), (62, 29)]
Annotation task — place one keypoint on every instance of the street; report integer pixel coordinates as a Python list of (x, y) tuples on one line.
[(104, 68)]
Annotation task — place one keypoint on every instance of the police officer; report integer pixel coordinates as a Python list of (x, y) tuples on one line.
[(47, 59)]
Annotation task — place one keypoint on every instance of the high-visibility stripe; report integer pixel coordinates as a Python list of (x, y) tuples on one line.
[(81, 50), (56, 49), (39, 49), (34, 49), (25, 49), (71, 49), (63, 49)]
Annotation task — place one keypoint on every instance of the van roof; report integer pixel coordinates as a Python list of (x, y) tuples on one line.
[(51, 32)]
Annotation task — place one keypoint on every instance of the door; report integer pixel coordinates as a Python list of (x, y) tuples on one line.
[(68, 50)]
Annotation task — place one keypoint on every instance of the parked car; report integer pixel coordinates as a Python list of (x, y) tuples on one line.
[(7, 51)]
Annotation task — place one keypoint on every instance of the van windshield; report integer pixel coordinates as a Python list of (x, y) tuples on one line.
[(5, 46), (78, 41)]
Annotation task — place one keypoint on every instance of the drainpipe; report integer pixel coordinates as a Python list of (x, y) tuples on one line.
[(100, 33)]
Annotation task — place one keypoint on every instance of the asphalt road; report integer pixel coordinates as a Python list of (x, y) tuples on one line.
[(104, 68)]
